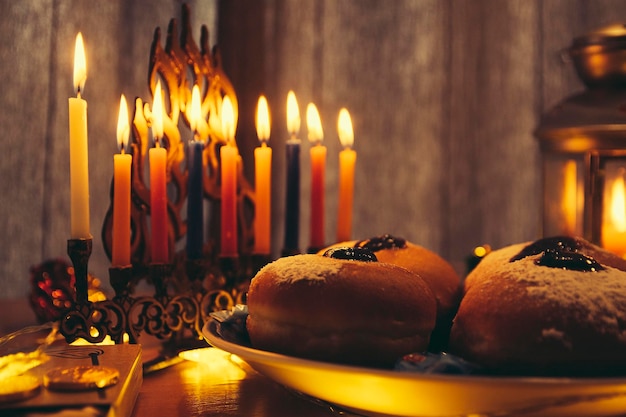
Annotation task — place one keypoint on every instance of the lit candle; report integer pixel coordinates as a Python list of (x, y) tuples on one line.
[(292, 198), (195, 204), (158, 184), (79, 171), (318, 169), (121, 191), (569, 204), (228, 158), (262, 180), (614, 219), (347, 160)]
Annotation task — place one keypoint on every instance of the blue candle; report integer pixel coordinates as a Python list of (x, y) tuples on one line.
[(195, 200), (195, 212), (292, 198)]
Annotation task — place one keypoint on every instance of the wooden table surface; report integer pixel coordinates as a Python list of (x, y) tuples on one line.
[(220, 386), (214, 386)]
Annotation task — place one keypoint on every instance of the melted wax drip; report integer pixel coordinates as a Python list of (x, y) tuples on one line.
[(381, 242), (559, 252), (351, 254)]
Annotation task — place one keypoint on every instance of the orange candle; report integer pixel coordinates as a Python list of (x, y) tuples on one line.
[(318, 168), (614, 218), (262, 180), (79, 167), (121, 191), (158, 184), (228, 159), (347, 161)]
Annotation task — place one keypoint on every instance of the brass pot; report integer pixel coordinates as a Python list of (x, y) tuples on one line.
[(599, 57)]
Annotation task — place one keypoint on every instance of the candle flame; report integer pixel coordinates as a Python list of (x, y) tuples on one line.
[(80, 64), (344, 128), (618, 205), (293, 114), (196, 109), (263, 120), (157, 113), (123, 126), (314, 124), (228, 119)]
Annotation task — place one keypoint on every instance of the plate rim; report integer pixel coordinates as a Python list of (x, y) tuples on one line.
[(209, 332)]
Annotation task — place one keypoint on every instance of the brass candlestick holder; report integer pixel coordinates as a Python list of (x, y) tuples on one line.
[(186, 290)]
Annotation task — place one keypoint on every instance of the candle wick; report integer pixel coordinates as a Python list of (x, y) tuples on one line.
[(78, 92)]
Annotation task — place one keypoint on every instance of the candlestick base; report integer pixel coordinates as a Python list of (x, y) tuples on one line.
[(79, 251), (289, 252), (120, 278), (258, 261), (315, 249)]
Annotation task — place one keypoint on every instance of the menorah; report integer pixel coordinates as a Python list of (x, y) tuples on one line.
[(186, 290)]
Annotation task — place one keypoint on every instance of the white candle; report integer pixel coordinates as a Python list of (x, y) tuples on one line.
[(79, 169)]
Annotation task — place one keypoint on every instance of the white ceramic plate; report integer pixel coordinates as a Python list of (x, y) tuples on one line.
[(374, 392)]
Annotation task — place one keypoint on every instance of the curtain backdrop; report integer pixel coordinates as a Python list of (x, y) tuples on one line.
[(444, 98)]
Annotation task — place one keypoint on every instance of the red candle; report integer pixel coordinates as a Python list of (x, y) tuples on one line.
[(228, 159), (262, 180), (347, 161), (121, 191), (318, 168), (158, 184)]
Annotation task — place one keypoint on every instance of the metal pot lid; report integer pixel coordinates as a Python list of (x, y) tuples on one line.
[(607, 38)]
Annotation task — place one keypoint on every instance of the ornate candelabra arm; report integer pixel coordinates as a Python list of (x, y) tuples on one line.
[(79, 251)]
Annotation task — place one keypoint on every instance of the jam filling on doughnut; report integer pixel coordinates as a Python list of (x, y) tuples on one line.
[(559, 252), (381, 242), (351, 254), (573, 261)]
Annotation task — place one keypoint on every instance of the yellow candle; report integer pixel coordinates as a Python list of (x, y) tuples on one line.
[(158, 184), (121, 191), (614, 219), (347, 161), (318, 168), (228, 159), (262, 180), (79, 170)]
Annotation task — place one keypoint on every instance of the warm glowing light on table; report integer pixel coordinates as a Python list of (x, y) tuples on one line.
[(79, 160), (318, 169), (292, 198), (347, 161), (158, 183), (614, 221), (228, 158), (195, 190), (122, 163), (262, 180)]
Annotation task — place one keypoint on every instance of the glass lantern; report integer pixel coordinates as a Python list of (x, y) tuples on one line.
[(583, 146)]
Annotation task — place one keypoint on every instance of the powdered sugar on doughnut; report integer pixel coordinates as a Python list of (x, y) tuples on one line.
[(295, 268), (598, 296)]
